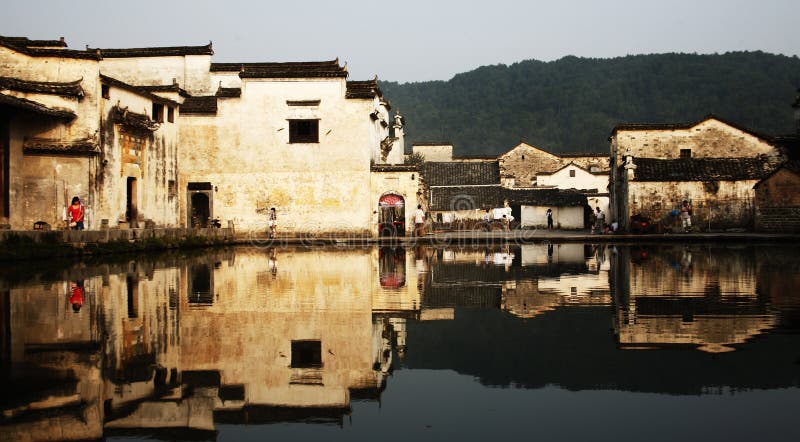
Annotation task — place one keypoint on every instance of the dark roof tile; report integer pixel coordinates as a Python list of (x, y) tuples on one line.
[(363, 89), (133, 120), (483, 197), (143, 91), (34, 107), (47, 146), (165, 51), (461, 173), (302, 69), (45, 48), (701, 169), (69, 89), (200, 105), (229, 92), (165, 88), (684, 126)]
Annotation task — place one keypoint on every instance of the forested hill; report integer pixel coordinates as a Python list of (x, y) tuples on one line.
[(572, 104)]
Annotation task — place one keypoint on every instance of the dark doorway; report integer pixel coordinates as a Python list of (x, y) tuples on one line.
[(199, 204), (130, 202), (4, 159), (200, 212)]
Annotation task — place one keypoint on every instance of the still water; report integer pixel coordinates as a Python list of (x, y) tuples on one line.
[(548, 342)]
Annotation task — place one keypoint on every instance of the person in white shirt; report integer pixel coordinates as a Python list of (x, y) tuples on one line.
[(419, 221)]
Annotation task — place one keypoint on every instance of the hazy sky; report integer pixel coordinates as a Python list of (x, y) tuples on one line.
[(412, 40)]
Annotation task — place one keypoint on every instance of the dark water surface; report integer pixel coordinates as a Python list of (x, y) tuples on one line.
[(532, 342)]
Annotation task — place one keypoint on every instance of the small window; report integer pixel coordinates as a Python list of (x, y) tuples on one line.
[(158, 112), (572, 172), (105, 91), (306, 354), (304, 131), (686, 153), (170, 114)]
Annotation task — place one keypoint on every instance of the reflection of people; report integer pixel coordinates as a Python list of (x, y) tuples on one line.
[(273, 222), (550, 252), (419, 221), (686, 216), (273, 262), (76, 295), (549, 219), (75, 214)]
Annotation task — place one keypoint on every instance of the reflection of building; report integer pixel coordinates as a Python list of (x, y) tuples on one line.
[(687, 296)]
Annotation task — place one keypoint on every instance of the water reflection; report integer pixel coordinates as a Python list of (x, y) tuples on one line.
[(231, 337)]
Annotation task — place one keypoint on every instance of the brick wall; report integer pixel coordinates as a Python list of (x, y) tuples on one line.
[(778, 219)]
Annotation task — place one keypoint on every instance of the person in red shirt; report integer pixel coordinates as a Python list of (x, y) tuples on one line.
[(75, 214), (76, 295)]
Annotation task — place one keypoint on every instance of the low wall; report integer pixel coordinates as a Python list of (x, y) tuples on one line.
[(777, 219), (102, 236)]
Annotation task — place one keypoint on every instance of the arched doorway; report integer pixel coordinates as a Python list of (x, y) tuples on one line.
[(391, 215)]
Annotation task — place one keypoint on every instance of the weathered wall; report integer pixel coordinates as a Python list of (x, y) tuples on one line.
[(778, 203), (191, 72), (708, 139), (244, 152), (563, 217), (524, 162), (434, 153), (727, 204), (582, 180)]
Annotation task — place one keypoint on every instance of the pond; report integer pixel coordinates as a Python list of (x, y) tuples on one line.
[(533, 341)]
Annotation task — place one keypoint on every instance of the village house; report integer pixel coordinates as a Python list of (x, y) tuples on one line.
[(526, 166), (711, 163), (166, 137)]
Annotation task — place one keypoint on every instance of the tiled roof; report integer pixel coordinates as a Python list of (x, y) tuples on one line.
[(34, 107), (44, 146), (165, 88), (200, 105), (790, 165), (683, 126), (133, 120), (544, 197), (461, 173), (28, 43), (45, 48), (483, 197), (143, 91), (229, 92), (465, 198), (701, 169), (582, 154), (303, 69), (393, 168), (363, 89), (166, 51), (70, 89)]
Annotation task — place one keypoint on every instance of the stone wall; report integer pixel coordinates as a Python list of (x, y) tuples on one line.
[(777, 219)]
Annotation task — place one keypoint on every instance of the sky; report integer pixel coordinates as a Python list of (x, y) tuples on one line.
[(413, 40)]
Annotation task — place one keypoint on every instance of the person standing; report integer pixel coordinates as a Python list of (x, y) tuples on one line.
[(419, 221), (75, 214), (600, 220), (686, 216), (549, 219), (273, 222)]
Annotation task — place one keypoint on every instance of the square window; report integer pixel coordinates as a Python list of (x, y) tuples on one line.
[(306, 354), (572, 172), (304, 131), (686, 153)]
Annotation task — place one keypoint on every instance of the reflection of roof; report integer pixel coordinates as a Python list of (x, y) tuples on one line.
[(251, 415), (701, 169), (66, 89)]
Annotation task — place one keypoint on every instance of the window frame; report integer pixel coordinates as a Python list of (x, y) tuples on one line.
[(295, 137)]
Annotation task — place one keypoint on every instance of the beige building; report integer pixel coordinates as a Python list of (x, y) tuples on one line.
[(165, 135), (711, 163)]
